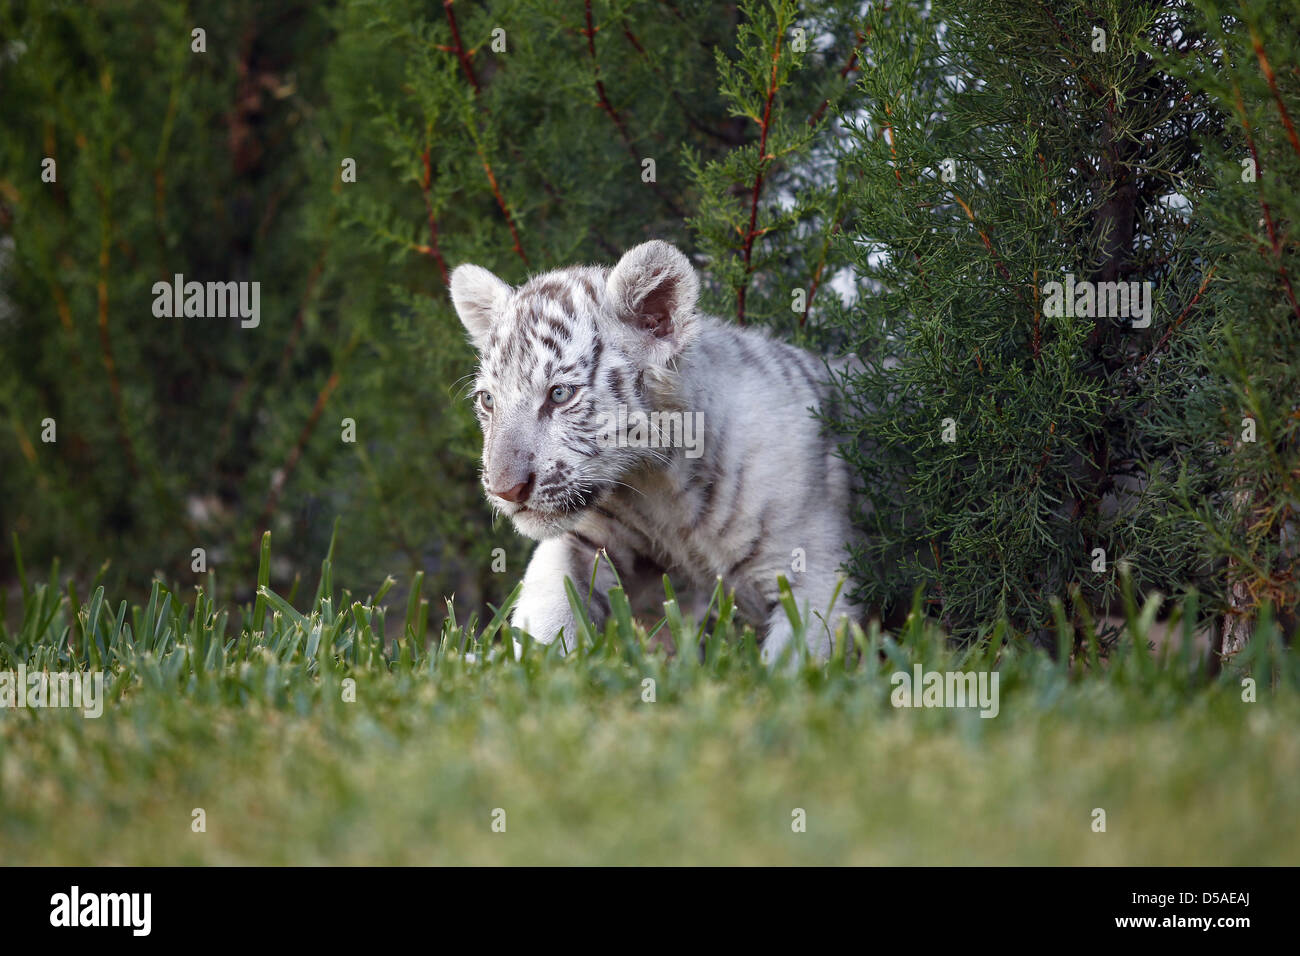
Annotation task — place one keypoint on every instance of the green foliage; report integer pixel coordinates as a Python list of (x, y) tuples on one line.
[(999, 149), (168, 162), (767, 209), (1250, 69)]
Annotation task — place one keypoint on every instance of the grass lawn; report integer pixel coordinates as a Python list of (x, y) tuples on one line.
[(571, 760)]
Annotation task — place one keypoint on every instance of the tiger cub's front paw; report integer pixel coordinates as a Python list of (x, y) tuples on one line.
[(546, 617)]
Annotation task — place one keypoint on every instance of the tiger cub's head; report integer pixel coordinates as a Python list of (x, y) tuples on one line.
[(558, 356)]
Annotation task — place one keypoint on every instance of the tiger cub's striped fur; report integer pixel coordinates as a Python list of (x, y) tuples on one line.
[(764, 493)]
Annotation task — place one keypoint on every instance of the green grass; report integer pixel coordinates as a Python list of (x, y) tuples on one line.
[(241, 713)]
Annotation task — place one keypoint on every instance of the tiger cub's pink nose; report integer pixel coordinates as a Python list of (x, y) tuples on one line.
[(519, 493)]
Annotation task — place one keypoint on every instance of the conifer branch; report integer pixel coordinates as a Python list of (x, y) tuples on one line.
[(1274, 243), (848, 68), (290, 346), (1267, 69), (295, 453), (817, 273), (997, 262), (1076, 62), (1182, 316), (687, 113), (590, 33), (765, 125), (432, 249), (462, 55), (608, 108), (501, 202), (887, 130)]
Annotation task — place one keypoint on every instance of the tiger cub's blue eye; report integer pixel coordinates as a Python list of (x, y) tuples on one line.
[(485, 399), (561, 394)]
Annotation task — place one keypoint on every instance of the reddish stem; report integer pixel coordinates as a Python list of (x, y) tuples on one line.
[(765, 125), (590, 34), (1272, 85), (1178, 321), (468, 68), (459, 48), (432, 248)]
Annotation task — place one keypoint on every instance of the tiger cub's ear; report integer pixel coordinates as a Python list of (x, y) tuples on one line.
[(653, 290), (480, 298)]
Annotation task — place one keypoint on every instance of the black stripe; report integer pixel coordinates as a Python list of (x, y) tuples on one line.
[(614, 378), (595, 362), (561, 329)]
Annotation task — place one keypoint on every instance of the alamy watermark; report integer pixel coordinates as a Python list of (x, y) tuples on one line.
[(924, 688), (209, 300), (133, 911), (75, 689), (638, 429), (1105, 300)]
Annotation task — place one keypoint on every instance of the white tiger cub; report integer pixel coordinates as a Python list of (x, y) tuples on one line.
[(575, 352)]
